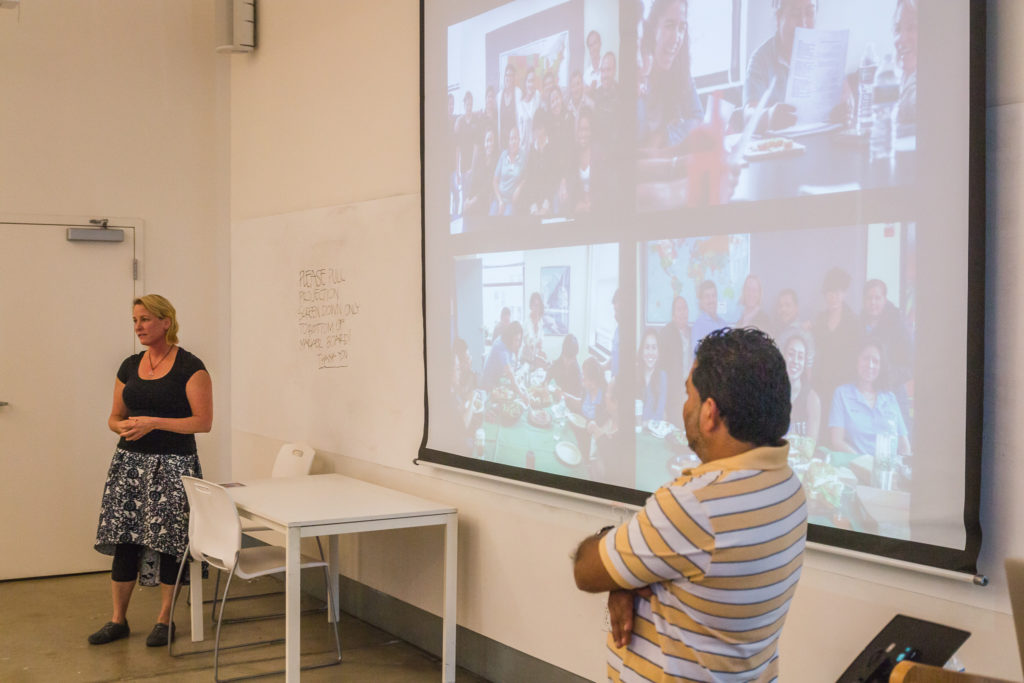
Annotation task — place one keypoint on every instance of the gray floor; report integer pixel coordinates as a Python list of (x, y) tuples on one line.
[(44, 624)]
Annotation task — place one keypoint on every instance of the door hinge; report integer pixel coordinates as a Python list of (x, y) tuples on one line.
[(135, 269)]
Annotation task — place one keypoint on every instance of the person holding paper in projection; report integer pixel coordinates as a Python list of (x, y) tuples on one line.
[(821, 80), (163, 397), (699, 581)]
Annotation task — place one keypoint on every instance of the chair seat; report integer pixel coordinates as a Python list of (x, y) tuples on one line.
[(268, 559)]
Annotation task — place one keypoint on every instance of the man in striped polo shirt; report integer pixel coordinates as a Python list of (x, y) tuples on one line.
[(701, 578)]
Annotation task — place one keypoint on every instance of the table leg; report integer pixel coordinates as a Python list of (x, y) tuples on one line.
[(332, 567), (196, 591), (293, 596), (451, 555)]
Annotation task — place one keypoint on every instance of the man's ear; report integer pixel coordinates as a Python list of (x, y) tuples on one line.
[(710, 418)]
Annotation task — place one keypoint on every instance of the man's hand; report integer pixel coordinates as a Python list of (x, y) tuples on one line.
[(588, 569), (620, 613)]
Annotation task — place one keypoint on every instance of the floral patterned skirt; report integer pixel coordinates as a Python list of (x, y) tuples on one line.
[(144, 503)]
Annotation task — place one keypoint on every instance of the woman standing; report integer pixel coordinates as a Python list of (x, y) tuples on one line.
[(751, 314), (533, 334), (805, 417), (162, 398), (655, 381)]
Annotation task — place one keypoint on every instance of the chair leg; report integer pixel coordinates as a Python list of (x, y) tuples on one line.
[(216, 588), (177, 583), (220, 619), (330, 609)]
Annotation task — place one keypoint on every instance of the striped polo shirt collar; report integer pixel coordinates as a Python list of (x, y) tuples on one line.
[(760, 458)]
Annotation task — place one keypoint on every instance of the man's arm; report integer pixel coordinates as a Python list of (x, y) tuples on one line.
[(588, 569)]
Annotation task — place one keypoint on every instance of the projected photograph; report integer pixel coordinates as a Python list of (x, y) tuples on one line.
[(546, 74), (824, 102), (845, 325), (530, 381)]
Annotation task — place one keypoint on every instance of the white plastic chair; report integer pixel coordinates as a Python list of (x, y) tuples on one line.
[(215, 537), (293, 460)]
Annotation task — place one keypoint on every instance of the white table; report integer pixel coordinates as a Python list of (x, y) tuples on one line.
[(329, 505)]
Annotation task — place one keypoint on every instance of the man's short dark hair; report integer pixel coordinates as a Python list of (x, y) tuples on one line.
[(509, 333), (745, 373), (836, 280), (871, 284)]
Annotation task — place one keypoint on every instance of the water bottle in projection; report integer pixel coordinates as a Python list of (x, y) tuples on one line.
[(885, 96), (865, 87), (883, 467)]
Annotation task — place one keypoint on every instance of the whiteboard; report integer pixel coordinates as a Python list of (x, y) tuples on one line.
[(327, 328)]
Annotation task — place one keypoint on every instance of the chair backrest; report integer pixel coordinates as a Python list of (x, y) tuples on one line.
[(293, 460), (214, 532)]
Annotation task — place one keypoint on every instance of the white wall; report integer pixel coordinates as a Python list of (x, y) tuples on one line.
[(119, 108), (321, 115)]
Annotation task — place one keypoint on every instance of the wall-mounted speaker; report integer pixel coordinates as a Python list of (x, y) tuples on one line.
[(235, 25)]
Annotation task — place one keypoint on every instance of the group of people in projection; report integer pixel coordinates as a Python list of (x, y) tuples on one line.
[(540, 148), (850, 373), (675, 141), (529, 151)]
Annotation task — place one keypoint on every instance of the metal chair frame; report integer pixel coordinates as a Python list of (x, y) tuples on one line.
[(215, 537)]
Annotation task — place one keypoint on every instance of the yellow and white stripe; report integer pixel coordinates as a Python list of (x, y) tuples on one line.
[(721, 547)]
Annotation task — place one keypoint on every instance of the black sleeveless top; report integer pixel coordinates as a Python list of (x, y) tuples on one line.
[(162, 397)]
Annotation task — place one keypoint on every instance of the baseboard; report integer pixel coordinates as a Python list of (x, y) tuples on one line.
[(476, 653)]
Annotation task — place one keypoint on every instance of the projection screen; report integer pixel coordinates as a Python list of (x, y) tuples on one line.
[(604, 183)]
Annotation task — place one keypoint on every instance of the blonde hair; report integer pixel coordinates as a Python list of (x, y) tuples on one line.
[(161, 308)]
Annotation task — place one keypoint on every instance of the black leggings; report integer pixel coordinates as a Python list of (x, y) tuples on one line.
[(126, 564)]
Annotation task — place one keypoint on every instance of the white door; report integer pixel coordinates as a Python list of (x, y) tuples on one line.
[(65, 325)]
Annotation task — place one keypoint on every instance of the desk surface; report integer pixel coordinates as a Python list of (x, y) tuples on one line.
[(328, 499)]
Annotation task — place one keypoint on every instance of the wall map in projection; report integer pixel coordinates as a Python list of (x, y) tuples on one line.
[(327, 327), (323, 316)]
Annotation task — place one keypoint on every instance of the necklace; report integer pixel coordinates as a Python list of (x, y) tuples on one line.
[(154, 366)]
